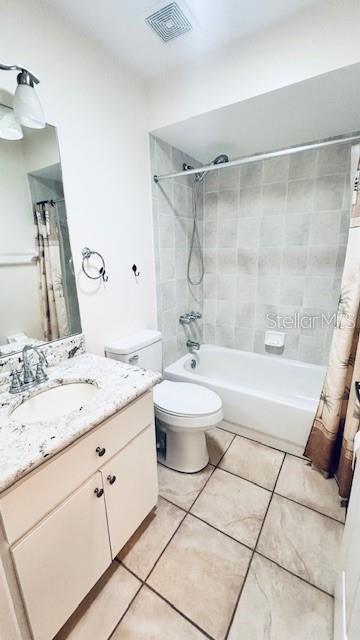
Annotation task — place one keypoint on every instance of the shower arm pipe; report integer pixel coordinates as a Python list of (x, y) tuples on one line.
[(257, 157)]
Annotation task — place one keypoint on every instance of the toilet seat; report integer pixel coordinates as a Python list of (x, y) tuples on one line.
[(187, 406)]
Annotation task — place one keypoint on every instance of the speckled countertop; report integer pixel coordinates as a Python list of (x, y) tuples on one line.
[(26, 446)]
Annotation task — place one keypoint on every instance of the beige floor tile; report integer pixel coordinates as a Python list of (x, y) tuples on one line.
[(275, 605), (201, 573), (218, 441), (233, 505), (142, 551), (300, 482), (182, 488), (150, 618), (253, 461), (102, 609), (302, 541)]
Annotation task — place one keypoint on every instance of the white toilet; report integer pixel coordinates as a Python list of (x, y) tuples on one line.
[(183, 411)]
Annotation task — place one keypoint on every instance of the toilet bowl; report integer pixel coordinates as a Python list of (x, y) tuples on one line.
[(183, 411)]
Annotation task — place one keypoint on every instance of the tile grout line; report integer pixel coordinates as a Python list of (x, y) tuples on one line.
[(278, 494), (128, 607), (301, 504), (212, 526), (252, 555), (295, 575), (236, 475), (159, 595), (186, 511), (144, 581), (253, 550), (183, 615)]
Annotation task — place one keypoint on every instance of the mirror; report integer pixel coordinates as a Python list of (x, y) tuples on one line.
[(38, 297)]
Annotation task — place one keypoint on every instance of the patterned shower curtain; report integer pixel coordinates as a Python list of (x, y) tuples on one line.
[(54, 314), (331, 442)]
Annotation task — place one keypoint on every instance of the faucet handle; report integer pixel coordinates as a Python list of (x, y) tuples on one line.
[(185, 318), (15, 385), (40, 375), (195, 315), (43, 357)]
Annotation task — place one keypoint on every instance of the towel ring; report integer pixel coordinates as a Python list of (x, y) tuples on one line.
[(86, 254)]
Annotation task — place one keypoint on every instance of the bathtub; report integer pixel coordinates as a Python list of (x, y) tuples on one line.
[(274, 396)]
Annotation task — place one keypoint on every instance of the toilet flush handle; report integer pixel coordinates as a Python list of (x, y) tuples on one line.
[(134, 358)]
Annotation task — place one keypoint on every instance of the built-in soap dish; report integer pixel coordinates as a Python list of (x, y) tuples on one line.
[(274, 341)]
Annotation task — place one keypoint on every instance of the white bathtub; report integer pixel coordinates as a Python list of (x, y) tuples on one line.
[(274, 396)]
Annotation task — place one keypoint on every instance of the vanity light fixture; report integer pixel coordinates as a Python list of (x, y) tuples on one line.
[(28, 111)]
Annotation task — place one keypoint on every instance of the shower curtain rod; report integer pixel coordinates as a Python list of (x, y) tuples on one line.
[(257, 157)]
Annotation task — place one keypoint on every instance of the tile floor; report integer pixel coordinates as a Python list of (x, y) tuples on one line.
[(246, 549)]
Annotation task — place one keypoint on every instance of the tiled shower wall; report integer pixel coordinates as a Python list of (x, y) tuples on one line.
[(172, 214), (275, 234)]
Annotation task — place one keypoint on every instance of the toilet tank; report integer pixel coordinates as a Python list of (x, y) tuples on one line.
[(143, 349)]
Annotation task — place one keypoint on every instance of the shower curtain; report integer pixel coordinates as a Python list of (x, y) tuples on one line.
[(331, 442), (53, 307)]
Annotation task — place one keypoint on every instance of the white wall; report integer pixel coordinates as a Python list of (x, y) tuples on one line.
[(321, 38), (100, 111), (40, 149)]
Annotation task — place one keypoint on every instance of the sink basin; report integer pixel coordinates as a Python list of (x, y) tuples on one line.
[(55, 402)]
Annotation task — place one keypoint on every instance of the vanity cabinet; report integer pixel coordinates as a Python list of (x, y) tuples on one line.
[(130, 484), (59, 556), (61, 559)]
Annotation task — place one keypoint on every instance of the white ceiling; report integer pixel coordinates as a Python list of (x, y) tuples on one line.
[(324, 106), (120, 26)]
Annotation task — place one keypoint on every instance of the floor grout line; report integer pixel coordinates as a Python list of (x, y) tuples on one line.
[(127, 608), (237, 475), (252, 549), (144, 581), (295, 575), (212, 526), (186, 512), (306, 506), (252, 556), (194, 624)]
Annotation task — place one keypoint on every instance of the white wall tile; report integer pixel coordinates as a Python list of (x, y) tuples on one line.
[(274, 237)]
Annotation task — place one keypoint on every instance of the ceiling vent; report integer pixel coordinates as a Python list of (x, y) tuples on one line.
[(169, 22)]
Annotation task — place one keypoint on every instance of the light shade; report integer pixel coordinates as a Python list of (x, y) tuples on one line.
[(9, 128), (27, 107)]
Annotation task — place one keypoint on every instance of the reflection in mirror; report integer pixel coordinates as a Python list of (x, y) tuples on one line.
[(38, 298)]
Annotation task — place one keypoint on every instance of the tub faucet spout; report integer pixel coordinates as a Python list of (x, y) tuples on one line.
[(193, 346)]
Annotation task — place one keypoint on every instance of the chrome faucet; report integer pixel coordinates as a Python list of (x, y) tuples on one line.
[(26, 378), (192, 345), (187, 318)]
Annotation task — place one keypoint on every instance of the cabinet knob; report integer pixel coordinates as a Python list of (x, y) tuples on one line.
[(111, 479), (100, 451), (98, 492)]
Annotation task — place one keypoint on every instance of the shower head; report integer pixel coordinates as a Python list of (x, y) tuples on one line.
[(221, 159)]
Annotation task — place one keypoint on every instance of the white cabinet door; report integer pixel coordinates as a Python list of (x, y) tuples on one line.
[(347, 595), (60, 560), (131, 487)]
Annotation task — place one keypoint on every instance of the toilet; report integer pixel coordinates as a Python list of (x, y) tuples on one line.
[(183, 411)]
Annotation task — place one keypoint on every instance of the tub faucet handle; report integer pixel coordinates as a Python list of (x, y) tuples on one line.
[(185, 318)]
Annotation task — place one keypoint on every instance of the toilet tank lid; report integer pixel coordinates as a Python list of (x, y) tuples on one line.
[(134, 342)]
